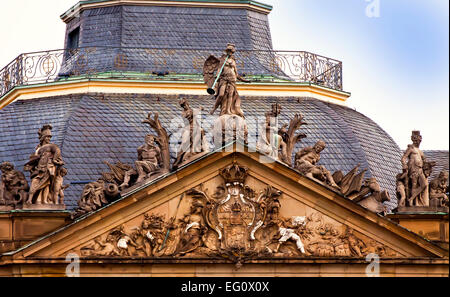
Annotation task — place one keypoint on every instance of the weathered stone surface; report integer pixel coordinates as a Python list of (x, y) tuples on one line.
[(46, 172), (235, 222)]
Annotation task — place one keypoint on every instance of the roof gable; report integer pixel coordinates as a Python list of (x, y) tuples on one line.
[(327, 224)]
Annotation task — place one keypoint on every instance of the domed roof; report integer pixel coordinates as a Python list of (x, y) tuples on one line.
[(93, 128)]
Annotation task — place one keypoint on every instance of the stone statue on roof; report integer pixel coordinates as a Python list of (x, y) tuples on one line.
[(413, 183), (223, 84), (221, 76), (306, 162), (193, 140), (148, 162), (153, 156), (13, 186), (46, 173)]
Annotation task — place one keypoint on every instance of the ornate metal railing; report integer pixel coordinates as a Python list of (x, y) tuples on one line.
[(176, 64)]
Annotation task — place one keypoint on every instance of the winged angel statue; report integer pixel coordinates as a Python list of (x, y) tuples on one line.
[(223, 85)]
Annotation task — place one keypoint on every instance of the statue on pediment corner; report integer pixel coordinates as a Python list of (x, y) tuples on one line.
[(306, 162), (291, 229), (13, 186), (365, 192), (102, 192), (147, 164), (413, 184), (45, 172)]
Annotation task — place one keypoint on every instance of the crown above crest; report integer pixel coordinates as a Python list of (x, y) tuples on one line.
[(234, 174)]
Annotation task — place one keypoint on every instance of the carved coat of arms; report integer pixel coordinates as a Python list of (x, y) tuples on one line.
[(236, 223)]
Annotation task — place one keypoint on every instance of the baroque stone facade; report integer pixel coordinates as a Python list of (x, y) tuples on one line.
[(236, 218), (185, 201)]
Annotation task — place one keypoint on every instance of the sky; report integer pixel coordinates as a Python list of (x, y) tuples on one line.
[(395, 53)]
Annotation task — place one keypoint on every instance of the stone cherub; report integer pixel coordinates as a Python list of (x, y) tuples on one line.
[(13, 185), (401, 181), (306, 162), (44, 167), (59, 187), (289, 230)]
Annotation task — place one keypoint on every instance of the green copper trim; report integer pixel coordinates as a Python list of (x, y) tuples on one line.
[(170, 79)]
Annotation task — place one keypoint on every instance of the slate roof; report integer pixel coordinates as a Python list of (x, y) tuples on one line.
[(129, 31), (174, 27), (93, 128)]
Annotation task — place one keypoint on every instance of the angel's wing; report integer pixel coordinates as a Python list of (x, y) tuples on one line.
[(211, 66)]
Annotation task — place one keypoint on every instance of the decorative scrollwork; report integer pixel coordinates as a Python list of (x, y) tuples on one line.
[(48, 66)]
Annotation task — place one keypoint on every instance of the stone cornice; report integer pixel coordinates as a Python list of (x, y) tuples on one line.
[(79, 86), (246, 4)]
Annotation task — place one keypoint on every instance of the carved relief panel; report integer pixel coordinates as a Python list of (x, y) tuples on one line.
[(236, 217)]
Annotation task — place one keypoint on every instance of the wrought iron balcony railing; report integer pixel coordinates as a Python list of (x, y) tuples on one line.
[(167, 64)]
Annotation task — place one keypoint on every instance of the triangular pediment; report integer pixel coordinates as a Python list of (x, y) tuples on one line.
[(232, 206)]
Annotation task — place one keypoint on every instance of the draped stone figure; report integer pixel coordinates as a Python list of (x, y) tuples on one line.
[(227, 96), (193, 140), (194, 227), (271, 142), (45, 170), (413, 183)]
